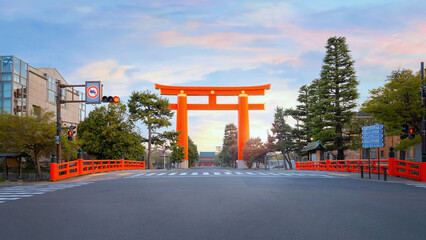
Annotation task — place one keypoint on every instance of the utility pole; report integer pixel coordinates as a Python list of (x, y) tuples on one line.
[(423, 131), (58, 122)]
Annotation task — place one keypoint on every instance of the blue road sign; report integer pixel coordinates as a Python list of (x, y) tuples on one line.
[(373, 136), (93, 92), (373, 127), (373, 145), (376, 131), (373, 140)]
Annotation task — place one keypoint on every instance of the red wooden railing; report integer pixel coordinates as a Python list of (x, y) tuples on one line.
[(79, 167), (399, 168)]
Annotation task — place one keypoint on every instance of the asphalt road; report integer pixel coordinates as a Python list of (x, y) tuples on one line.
[(214, 204)]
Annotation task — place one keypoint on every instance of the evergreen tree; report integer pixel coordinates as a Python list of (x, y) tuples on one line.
[(337, 93), (193, 155), (153, 111), (282, 133), (229, 152)]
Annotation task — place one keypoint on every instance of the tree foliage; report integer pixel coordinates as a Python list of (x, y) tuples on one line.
[(178, 154), (34, 136), (282, 135), (107, 132), (396, 103), (336, 92), (153, 111), (193, 155), (229, 152), (254, 152)]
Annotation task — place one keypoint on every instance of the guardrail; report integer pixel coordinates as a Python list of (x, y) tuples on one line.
[(398, 168), (59, 171)]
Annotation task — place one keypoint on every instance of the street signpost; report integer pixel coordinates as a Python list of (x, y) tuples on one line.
[(373, 136)]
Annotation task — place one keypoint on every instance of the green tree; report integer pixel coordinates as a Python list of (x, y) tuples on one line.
[(193, 155), (301, 114), (229, 152), (178, 154), (107, 132), (283, 135), (153, 111), (34, 136), (254, 152), (337, 93), (396, 103)]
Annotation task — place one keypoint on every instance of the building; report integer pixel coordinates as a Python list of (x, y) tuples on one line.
[(26, 90), (207, 159)]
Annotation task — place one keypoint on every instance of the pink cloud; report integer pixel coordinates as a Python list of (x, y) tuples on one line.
[(223, 41)]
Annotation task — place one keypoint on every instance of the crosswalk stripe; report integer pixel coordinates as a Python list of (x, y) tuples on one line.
[(160, 174), (183, 174), (150, 174), (239, 173), (205, 173), (13, 196), (250, 173), (216, 173), (137, 175), (194, 173), (171, 174), (227, 173), (6, 199)]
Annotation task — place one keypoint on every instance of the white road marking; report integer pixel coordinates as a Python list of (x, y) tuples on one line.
[(137, 175), (205, 173), (194, 173), (183, 174), (250, 173), (161, 174), (239, 173), (6, 199), (227, 173), (171, 174), (216, 173), (13, 195), (151, 174)]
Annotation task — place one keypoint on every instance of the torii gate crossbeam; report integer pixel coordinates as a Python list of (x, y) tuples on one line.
[(243, 107)]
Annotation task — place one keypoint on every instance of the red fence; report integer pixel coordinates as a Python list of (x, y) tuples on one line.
[(399, 168), (79, 167)]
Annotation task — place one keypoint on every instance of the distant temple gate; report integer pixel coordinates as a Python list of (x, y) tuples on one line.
[(212, 92)]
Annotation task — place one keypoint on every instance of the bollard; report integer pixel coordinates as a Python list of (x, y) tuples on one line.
[(384, 173), (362, 171)]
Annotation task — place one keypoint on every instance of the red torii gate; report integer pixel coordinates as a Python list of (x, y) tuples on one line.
[(212, 92)]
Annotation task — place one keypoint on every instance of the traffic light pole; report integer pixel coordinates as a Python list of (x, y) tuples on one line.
[(423, 131), (59, 101)]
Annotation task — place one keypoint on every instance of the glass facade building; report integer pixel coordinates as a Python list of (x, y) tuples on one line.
[(13, 85), (27, 90)]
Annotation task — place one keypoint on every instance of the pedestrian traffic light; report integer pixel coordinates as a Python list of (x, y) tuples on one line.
[(110, 99), (404, 131), (411, 133)]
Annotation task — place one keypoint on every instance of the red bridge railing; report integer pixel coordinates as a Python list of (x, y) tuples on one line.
[(394, 167), (80, 167)]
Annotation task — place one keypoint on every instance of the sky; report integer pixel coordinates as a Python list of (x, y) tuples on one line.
[(131, 45)]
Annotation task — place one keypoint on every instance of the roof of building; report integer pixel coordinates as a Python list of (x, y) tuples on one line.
[(313, 146), (207, 154)]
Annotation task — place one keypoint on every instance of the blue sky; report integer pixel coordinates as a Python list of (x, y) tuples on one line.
[(130, 45)]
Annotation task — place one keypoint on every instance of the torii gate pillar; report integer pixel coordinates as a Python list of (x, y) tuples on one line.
[(243, 108)]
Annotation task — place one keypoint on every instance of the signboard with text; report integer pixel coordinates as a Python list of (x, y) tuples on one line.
[(373, 136), (93, 92)]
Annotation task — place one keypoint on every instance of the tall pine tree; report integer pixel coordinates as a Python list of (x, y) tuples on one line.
[(337, 93)]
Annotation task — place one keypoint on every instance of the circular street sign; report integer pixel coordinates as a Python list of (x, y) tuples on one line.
[(92, 92)]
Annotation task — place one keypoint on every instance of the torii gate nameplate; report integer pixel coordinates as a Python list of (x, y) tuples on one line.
[(212, 92)]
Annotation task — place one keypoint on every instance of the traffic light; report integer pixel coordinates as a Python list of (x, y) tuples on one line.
[(70, 135), (71, 132), (404, 131), (110, 99), (411, 133)]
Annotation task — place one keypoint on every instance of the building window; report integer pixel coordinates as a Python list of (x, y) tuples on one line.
[(51, 89), (373, 153), (382, 154), (81, 107), (7, 64)]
